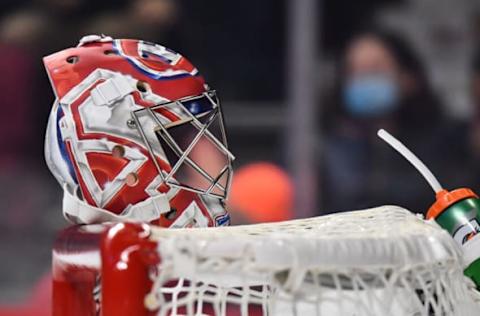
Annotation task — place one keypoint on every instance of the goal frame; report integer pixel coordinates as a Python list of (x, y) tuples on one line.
[(119, 269), (121, 254)]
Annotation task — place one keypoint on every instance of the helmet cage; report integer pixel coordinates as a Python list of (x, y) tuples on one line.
[(180, 132)]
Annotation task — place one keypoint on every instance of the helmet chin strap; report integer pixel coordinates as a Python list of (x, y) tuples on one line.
[(79, 212)]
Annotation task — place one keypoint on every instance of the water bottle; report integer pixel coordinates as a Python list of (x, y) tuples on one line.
[(457, 211)]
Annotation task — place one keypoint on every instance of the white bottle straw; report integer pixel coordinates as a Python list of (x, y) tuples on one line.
[(417, 163)]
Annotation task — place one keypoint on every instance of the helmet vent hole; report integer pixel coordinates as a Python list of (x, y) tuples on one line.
[(131, 179), (109, 52), (171, 214), (118, 151), (142, 86), (72, 59)]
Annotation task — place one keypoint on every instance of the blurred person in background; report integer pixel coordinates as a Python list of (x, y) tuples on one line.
[(474, 124), (382, 84), (27, 34), (261, 192), (30, 201), (153, 20), (475, 93), (22, 36)]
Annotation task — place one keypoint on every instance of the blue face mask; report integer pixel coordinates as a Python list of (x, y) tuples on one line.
[(371, 96)]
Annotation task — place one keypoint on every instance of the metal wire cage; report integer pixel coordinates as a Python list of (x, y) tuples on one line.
[(190, 134)]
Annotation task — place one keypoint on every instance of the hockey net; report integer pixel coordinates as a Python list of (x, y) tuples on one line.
[(382, 261)]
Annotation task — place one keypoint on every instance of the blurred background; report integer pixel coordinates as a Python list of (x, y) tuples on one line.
[(305, 84)]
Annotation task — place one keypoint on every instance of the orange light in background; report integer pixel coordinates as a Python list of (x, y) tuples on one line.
[(261, 192)]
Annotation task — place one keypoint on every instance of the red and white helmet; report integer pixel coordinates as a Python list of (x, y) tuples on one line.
[(136, 134)]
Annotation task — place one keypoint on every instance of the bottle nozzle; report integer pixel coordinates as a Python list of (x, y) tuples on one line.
[(417, 163)]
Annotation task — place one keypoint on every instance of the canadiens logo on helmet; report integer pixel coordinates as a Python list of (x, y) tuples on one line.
[(134, 133)]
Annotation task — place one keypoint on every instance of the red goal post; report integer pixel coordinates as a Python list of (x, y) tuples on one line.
[(113, 258)]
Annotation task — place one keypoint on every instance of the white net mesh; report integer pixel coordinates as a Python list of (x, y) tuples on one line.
[(382, 261)]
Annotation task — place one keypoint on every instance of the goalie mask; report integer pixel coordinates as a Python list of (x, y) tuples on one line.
[(135, 134)]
